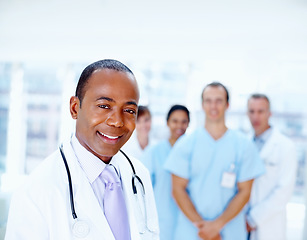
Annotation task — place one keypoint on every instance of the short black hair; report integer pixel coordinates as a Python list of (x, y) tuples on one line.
[(88, 71), (142, 110), (216, 84), (175, 108), (260, 96)]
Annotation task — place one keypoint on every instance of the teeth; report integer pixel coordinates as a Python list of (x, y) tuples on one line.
[(105, 135)]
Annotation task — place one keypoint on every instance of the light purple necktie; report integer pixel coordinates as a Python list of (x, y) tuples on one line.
[(114, 204)]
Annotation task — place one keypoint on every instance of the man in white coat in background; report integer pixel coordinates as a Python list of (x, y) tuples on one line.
[(88, 188), (266, 218)]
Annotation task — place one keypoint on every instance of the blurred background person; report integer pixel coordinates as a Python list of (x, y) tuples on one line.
[(140, 139), (212, 174), (154, 157), (266, 218)]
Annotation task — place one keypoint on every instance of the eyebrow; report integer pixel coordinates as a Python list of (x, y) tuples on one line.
[(112, 100), (131, 103), (105, 98)]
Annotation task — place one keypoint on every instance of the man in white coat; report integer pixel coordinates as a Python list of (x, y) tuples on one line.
[(67, 196), (266, 218)]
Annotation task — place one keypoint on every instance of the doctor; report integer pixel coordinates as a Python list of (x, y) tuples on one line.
[(266, 219), (49, 207)]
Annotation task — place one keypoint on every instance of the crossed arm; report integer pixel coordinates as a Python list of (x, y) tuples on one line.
[(209, 230)]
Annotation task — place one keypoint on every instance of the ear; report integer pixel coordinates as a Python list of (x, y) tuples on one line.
[(202, 105), (74, 107), (167, 123), (227, 105)]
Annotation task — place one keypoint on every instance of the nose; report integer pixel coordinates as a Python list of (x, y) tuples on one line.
[(182, 125), (115, 119), (215, 104)]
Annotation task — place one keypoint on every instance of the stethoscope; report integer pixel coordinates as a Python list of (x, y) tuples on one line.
[(81, 228)]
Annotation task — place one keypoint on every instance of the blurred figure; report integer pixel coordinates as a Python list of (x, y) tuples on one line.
[(140, 138), (178, 119), (212, 173), (266, 218)]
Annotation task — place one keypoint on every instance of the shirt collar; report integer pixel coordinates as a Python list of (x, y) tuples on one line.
[(91, 165), (265, 135)]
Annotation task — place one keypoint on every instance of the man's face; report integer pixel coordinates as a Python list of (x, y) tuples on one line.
[(259, 114), (106, 118), (215, 103)]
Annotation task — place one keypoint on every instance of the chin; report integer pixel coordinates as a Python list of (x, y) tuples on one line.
[(106, 154)]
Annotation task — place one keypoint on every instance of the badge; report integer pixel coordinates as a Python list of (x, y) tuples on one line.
[(228, 180)]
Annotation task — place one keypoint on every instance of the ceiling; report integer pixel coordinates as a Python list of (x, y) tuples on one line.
[(41, 30)]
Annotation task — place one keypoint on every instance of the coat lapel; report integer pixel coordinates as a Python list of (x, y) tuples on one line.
[(141, 221), (269, 145), (86, 204)]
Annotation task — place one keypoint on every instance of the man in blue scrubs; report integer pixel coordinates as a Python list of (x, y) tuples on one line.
[(212, 173)]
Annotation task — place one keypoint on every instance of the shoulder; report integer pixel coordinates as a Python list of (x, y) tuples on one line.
[(280, 137), (282, 142), (242, 143), (49, 168), (43, 179), (196, 135), (239, 137), (159, 145)]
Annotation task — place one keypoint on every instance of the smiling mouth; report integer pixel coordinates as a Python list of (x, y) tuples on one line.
[(179, 131), (108, 136)]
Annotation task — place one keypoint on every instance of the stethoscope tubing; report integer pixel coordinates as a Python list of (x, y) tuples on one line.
[(134, 176), (71, 195)]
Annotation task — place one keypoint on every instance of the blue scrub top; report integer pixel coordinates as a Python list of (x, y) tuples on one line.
[(154, 159), (203, 160)]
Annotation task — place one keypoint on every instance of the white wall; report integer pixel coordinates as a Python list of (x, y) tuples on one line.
[(258, 33)]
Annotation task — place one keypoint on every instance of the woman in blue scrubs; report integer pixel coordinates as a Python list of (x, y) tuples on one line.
[(178, 119)]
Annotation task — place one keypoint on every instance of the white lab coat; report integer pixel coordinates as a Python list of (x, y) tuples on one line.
[(41, 209), (272, 191)]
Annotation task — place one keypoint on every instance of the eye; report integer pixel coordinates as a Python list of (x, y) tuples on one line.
[(104, 106), (131, 111)]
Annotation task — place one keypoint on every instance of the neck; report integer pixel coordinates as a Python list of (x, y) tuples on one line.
[(216, 129), (262, 131), (143, 140), (172, 141)]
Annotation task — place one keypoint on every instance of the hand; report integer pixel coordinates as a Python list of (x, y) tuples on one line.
[(218, 237), (249, 228), (208, 230)]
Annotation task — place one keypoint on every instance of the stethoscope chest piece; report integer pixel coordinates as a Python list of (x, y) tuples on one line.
[(80, 229)]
